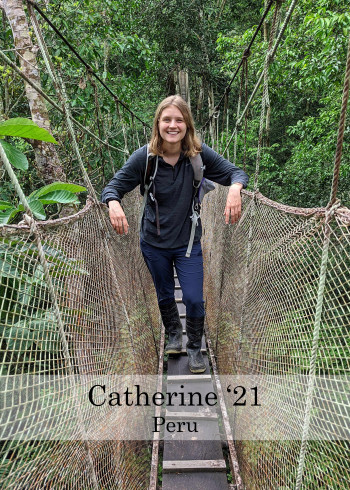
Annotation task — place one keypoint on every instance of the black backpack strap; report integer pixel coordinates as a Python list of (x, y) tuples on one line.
[(201, 187), (198, 171), (150, 174)]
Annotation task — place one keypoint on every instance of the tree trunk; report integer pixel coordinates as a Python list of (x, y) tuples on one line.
[(5, 102), (47, 161), (184, 89), (200, 100), (211, 105)]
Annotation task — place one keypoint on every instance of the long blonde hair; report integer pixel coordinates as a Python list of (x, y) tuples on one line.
[(191, 144)]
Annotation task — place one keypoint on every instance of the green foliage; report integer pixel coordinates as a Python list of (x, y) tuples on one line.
[(55, 193), (58, 192), (305, 89), (15, 157), (25, 128)]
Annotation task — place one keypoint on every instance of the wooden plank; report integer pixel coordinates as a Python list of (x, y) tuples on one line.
[(174, 450), (200, 430), (201, 415), (197, 480), (188, 377), (194, 465)]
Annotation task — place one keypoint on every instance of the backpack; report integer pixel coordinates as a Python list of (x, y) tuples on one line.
[(201, 186)]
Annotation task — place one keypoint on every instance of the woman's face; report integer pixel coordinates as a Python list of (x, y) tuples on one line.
[(171, 125)]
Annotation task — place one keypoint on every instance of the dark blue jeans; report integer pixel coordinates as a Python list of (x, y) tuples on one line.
[(160, 263)]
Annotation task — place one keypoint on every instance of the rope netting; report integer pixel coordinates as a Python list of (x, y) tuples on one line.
[(261, 288), (111, 326), (78, 299)]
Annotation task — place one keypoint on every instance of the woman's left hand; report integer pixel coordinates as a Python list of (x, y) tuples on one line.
[(233, 204)]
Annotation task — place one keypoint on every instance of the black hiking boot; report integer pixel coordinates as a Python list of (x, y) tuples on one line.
[(173, 327), (194, 329)]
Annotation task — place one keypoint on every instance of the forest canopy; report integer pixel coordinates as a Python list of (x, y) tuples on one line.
[(140, 49)]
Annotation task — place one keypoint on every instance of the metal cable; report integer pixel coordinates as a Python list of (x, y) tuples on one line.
[(91, 70)]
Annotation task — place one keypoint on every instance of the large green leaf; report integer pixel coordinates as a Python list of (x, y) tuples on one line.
[(7, 215), (37, 209), (61, 197), (6, 205), (57, 186), (16, 157), (25, 128)]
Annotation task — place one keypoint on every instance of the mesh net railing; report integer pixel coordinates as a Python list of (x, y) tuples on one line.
[(261, 286), (108, 307)]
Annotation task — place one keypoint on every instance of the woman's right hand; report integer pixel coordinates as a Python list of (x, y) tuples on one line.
[(118, 218)]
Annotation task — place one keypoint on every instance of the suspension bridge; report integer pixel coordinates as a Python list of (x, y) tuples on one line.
[(78, 304)]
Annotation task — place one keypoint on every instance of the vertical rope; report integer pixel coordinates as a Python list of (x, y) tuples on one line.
[(105, 131), (238, 111), (133, 132), (138, 139), (227, 128), (314, 349), (331, 207), (265, 96), (145, 135), (217, 131), (261, 76), (341, 129), (126, 150), (98, 120), (245, 67)]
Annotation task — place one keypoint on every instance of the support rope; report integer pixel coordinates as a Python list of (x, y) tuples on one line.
[(314, 349), (341, 129), (265, 97), (331, 208), (245, 54), (272, 55)]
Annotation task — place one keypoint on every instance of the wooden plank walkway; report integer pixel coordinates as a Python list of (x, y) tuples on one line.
[(192, 460)]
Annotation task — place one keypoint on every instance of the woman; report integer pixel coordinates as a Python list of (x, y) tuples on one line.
[(166, 223)]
